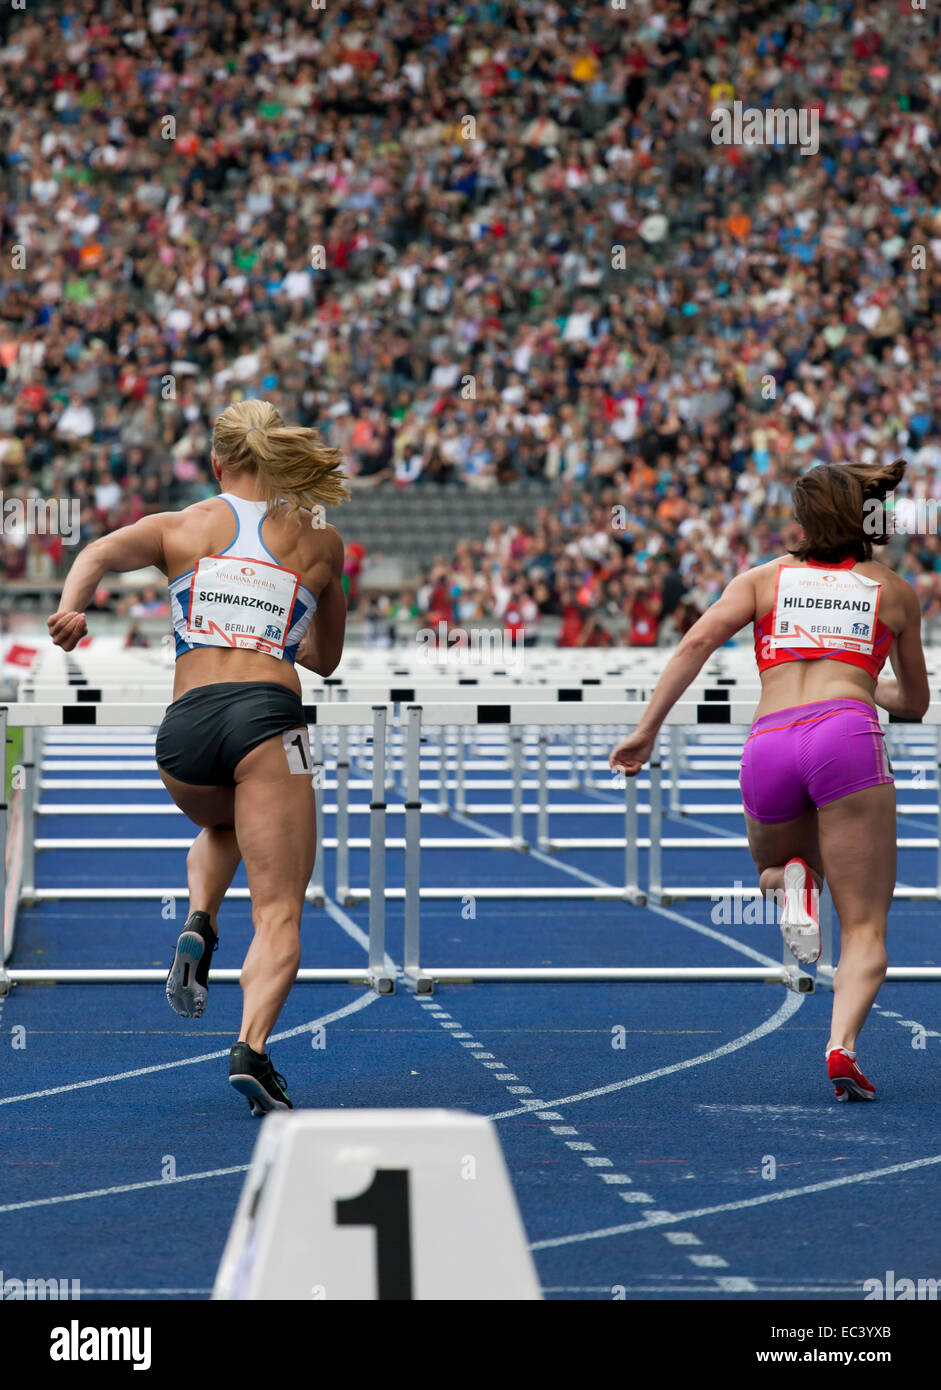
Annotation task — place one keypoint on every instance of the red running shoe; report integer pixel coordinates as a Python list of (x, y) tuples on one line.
[(847, 1078), (800, 918)]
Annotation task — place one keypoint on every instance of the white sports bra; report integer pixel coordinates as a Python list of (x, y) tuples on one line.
[(242, 597)]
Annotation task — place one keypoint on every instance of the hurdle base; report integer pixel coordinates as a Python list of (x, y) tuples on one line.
[(6, 984), (418, 981), (656, 897), (798, 980)]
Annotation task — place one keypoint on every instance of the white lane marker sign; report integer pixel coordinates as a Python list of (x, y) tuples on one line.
[(377, 1204)]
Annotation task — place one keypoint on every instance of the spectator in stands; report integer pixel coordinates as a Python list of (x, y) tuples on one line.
[(583, 288)]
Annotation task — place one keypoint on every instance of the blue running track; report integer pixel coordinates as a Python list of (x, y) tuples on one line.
[(664, 1141)]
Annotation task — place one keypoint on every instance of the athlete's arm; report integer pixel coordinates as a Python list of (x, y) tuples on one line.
[(322, 644), (130, 548), (909, 696), (727, 616)]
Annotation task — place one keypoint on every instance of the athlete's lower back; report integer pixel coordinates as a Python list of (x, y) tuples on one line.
[(809, 682), (211, 665)]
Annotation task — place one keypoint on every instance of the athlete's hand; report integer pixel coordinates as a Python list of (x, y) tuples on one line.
[(67, 629), (631, 753)]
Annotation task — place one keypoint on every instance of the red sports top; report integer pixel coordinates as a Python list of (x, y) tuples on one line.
[(873, 664)]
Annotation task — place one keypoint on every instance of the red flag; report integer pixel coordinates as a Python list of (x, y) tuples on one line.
[(20, 656)]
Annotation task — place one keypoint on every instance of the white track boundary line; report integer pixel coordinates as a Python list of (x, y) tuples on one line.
[(698, 1212), (125, 1187), (346, 923), (321, 1022), (648, 907), (142, 1293), (790, 1006)]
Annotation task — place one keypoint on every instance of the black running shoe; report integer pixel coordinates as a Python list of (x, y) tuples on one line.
[(188, 980), (253, 1076)]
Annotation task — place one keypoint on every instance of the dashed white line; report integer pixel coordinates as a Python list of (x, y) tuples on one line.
[(790, 1006), (812, 1188)]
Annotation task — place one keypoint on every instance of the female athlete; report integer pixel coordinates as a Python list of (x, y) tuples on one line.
[(817, 786), (255, 586)]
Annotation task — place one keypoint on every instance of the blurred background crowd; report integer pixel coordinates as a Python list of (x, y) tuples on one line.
[(481, 247)]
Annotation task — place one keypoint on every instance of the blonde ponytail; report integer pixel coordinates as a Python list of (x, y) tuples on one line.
[(294, 466)]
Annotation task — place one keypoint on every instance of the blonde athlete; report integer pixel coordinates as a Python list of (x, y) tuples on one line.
[(817, 787), (255, 587)]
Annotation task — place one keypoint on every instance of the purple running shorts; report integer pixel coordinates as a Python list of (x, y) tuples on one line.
[(809, 756)]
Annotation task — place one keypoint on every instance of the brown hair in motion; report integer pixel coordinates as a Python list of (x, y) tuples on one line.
[(830, 503)]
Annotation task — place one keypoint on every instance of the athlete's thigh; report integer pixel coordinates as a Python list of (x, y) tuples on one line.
[(857, 841), (213, 806), (275, 820), (773, 845)]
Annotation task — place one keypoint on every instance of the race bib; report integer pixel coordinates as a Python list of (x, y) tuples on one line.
[(825, 609), (241, 603)]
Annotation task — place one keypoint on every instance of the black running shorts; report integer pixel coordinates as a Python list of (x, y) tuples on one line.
[(206, 732)]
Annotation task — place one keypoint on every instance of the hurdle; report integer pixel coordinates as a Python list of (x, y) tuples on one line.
[(421, 977), (739, 714), (30, 715), (339, 715)]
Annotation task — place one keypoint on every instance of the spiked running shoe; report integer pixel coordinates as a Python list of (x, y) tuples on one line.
[(849, 1081), (800, 919), (253, 1076), (188, 980)]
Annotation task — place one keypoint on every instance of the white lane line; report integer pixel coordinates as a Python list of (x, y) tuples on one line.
[(596, 882), (597, 1162), (125, 1187), (342, 920), (911, 1023), (142, 1293), (703, 930), (321, 1022), (727, 1285), (695, 1214), (790, 1006), (346, 923)]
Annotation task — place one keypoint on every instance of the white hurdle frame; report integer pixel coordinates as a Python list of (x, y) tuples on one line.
[(421, 978), (29, 715), (341, 714)]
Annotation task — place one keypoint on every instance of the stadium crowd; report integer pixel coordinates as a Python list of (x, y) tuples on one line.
[(473, 245)]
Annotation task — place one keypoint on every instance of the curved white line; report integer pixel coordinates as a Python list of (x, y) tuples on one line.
[(368, 998), (673, 1218), (790, 1006), (125, 1187), (537, 855)]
